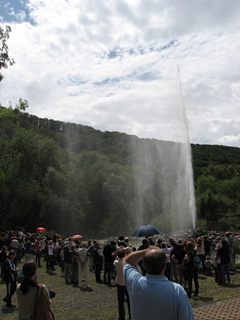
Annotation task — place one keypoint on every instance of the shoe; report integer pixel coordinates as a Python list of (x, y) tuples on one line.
[(195, 295), (9, 305)]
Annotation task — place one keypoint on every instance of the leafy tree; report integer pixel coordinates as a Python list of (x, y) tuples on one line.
[(4, 56)]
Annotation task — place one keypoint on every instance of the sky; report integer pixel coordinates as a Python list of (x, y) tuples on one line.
[(160, 69)]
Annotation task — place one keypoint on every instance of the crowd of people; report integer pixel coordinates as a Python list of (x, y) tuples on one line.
[(180, 261)]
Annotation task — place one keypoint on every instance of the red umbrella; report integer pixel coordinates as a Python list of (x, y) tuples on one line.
[(41, 229), (77, 236)]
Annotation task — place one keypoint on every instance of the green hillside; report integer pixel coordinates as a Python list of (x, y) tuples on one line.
[(71, 177)]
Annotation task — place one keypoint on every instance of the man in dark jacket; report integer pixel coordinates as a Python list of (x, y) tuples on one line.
[(67, 264), (98, 261), (10, 277), (223, 252)]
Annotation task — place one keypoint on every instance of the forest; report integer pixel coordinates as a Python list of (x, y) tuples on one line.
[(72, 178)]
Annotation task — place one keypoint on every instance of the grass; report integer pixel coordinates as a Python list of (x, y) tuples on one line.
[(100, 302)]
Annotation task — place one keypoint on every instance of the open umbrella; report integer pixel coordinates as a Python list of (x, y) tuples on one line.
[(77, 236), (146, 230), (41, 229)]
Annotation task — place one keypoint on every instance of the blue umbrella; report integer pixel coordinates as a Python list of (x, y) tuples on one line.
[(146, 230)]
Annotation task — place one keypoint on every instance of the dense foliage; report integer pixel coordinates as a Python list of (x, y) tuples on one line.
[(72, 178), (5, 60)]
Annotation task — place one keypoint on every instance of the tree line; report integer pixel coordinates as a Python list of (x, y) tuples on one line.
[(72, 178)]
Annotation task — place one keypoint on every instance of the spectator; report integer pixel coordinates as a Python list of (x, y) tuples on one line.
[(10, 277), (167, 248), (154, 296), (26, 292), (208, 266), (3, 257), (108, 250), (83, 267), (121, 288), (223, 252), (179, 256), (192, 270), (67, 264), (98, 261), (145, 245)]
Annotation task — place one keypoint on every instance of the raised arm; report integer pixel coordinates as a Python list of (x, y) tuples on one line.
[(134, 257)]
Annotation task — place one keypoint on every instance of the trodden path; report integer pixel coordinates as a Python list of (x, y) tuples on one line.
[(227, 309)]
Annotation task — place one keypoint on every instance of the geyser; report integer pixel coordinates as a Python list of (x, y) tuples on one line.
[(164, 188)]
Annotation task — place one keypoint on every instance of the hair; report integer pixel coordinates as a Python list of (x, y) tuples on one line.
[(163, 245), (122, 243), (11, 253), (154, 261), (159, 241), (121, 252), (181, 246), (190, 245), (29, 269), (145, 241), (224, 243)]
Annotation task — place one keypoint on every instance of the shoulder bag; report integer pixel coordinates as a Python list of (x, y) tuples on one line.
[(42, 310)]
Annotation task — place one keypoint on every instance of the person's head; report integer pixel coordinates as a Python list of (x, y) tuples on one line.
[(29, 272), (207, 257), (4, 249), (190, 245), (154, 261), (181, 246), (98, 245), (224, 243), (159, 241), (145, 242), (29, 269), (113, 243), (121, 252), (12, 254), (163, 245)]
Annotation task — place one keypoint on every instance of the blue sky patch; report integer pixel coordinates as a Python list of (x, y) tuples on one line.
[(14, 11)]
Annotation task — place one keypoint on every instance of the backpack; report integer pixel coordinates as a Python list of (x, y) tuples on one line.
[(197, 263)]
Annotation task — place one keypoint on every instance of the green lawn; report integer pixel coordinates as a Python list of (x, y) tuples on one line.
[(100, 302)]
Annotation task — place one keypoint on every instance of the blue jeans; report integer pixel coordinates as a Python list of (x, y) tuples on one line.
[(225, 268)]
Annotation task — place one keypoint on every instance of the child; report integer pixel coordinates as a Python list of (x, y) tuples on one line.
[(208, 266)]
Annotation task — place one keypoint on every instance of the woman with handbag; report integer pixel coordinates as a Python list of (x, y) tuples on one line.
[(31, 296)]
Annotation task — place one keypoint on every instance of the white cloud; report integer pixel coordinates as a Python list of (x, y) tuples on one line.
[(111, 65)]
